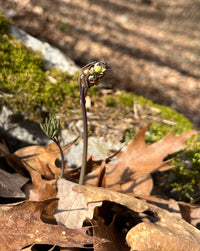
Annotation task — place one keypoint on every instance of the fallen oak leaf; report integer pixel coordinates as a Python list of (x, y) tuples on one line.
[(43, 189), (42, 158), (21, 226), (166, 222), (11, 184), (132, 172), (101, 181)]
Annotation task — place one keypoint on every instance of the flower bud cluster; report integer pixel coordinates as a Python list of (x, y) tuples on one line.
[(92, 73)]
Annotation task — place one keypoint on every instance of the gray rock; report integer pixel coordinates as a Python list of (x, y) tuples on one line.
[(97, 147), (53, 57), (20, 132)]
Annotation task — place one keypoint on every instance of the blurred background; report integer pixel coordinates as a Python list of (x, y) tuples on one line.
[(152, 46)]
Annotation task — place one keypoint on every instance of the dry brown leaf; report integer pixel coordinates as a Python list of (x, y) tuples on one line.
[(190, 213), (14, 162), (101, 230), (101, 180), (164, 223), (149, 236), (21, 226), (132, 172), (43, 189), (73, 174), (11, 184), (72, 208), (40, 190), (42, 158)]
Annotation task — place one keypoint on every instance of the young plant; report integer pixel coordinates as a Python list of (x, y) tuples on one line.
[(89, 76), (52, 128)]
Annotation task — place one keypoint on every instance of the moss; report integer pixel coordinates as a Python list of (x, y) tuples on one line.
[(4, 25), (185, 176), (32, 88), (110, 101), (171, 121), (62, 26), (126, 99)]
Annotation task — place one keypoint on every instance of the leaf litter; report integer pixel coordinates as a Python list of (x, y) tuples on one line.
[(132, 172), (108, 217), (21, 226)]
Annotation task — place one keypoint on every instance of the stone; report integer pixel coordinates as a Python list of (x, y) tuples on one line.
[(19, 132), (53, 57)]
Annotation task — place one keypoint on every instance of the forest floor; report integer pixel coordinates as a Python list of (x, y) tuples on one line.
[(152, 48)]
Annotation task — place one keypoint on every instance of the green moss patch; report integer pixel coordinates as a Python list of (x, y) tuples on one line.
[(26, 86), (185, 177), (170, 120)]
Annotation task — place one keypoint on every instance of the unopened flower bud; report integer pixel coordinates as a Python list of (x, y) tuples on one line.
[(91, 78), (85, 72), (99, 69)]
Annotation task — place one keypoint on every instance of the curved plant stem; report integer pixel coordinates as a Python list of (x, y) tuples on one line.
[(62, 158), (88, 77)]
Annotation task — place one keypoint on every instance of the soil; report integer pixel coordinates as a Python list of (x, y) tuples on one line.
[(152, 47)]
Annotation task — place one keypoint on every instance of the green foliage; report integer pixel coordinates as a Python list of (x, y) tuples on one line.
[(186, 174), (52, 127), (4, 25), (110, 101), (126, 99), (179, 124), (62, 26)]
